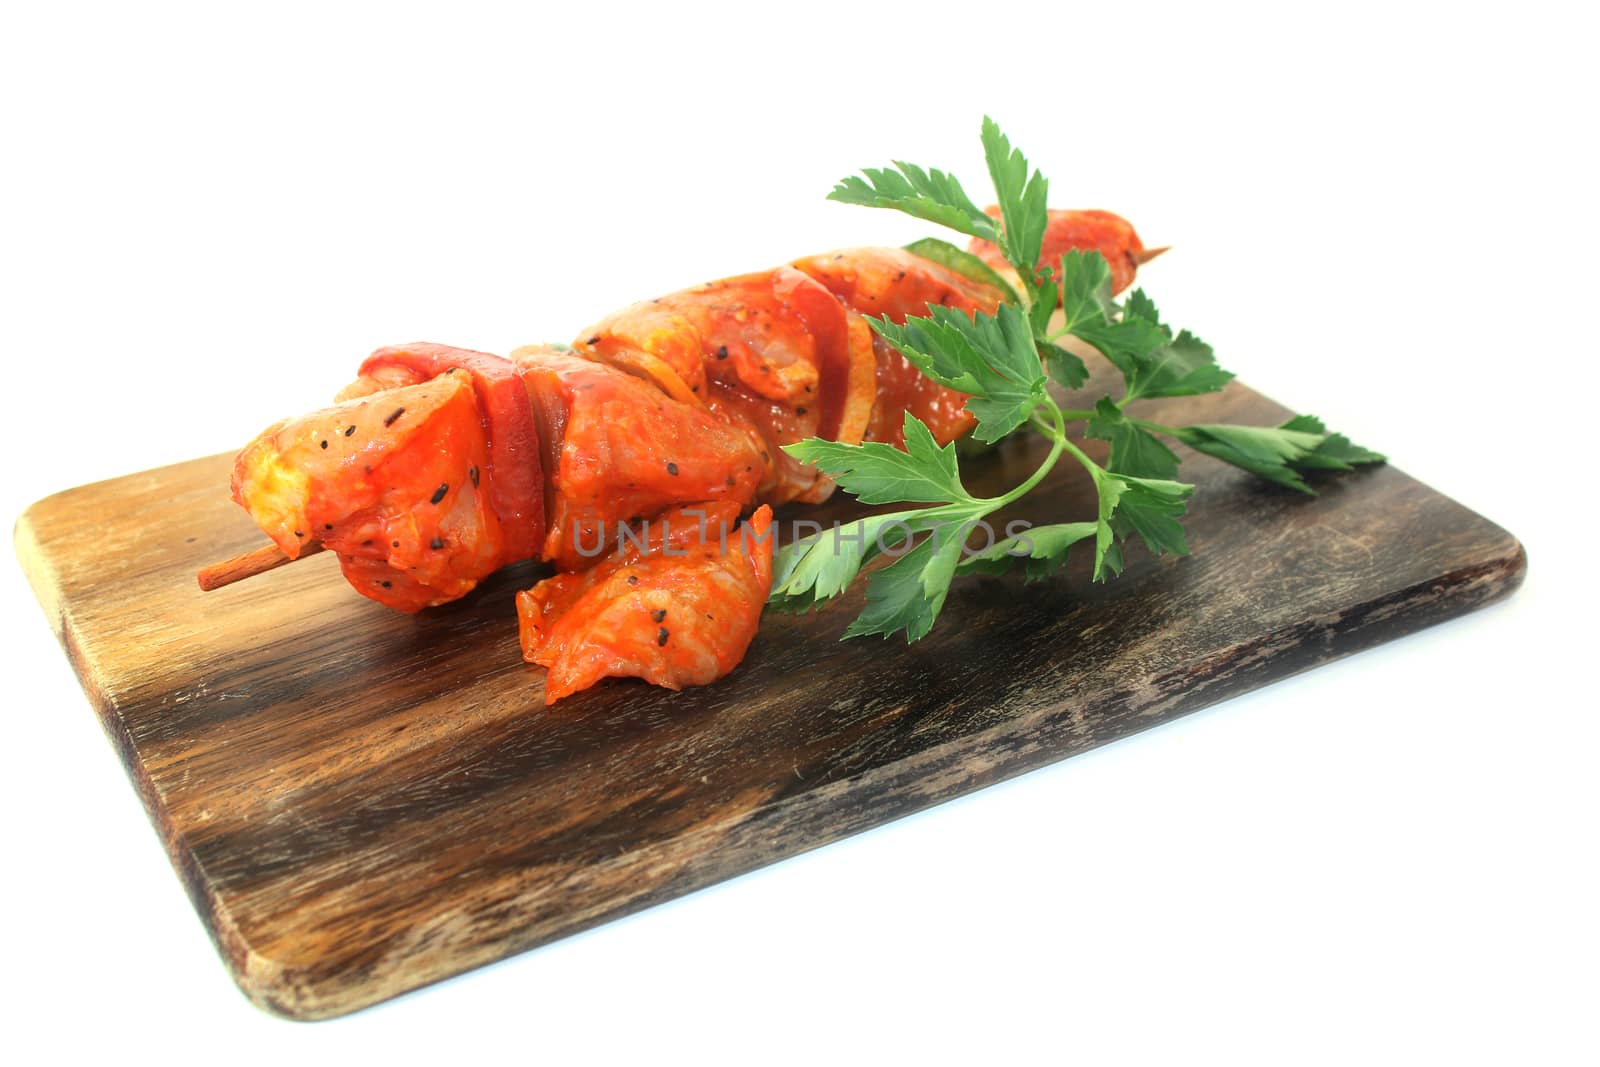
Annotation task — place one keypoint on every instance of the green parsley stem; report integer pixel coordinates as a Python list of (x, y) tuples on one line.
[(1083, 457), (1058, 433), (1058, 437), (1145, 424)]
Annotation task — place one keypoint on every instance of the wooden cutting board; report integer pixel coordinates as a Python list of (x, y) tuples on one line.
[(362, 802)]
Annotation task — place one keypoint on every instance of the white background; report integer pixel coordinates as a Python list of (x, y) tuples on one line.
[(1386, 216)]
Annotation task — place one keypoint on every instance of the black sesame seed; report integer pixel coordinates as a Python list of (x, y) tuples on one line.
[(730, 481), (387, 584), (472, 472), (348, 430), (672, 468), (799, 411), (633, 579), (722, 351), (395, 414), (436, 544), (298, 533), (324, 444), (395, 544), (595, 339), (327, 526), (658, 614), (438, 494), (662, 635)]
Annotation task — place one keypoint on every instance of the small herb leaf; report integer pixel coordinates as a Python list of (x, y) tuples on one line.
[(1133, 450), (1278, 454), (1041, 549), (1022, 200), (879, 473), (993, 358), (927, 194)]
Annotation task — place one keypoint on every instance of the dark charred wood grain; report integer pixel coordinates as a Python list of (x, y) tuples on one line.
[(362, 802)]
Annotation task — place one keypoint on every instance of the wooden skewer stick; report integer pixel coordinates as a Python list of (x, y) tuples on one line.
[(248, 565), (267, 557)]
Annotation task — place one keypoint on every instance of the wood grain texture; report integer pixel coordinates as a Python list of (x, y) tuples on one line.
[(362, 802)]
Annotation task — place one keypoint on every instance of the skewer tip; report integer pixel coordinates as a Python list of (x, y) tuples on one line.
[(248, 565), (1144, 256)]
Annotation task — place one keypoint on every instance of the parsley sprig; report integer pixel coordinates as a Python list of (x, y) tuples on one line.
[(1006, 363)]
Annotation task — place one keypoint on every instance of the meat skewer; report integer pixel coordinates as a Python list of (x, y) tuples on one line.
[(624, 460), (268, 557)]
